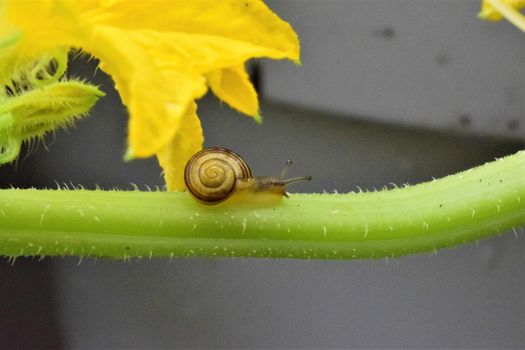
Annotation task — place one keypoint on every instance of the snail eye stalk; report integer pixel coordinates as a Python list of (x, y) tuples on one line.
[(286, 182), (296, 179)]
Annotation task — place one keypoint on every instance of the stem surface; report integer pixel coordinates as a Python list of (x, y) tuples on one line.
[(483, 201)]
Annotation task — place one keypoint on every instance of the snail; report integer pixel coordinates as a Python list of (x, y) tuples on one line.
[(215, 174)]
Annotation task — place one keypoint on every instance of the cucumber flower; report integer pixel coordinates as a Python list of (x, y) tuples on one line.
[(162, 56)]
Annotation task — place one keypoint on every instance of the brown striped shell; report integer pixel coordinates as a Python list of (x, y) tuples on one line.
[(212, 173)]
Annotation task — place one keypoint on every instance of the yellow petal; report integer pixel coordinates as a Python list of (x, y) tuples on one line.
[(490, 13), (26, 42), (187, 53), (175, 155), (43, 24), (233, 86), (249, 21), (156, 99), (202, 53)]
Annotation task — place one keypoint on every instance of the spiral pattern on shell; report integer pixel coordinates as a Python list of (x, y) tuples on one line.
[(212, 173)]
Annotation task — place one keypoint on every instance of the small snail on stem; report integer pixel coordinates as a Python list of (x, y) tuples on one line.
[(216, 174)]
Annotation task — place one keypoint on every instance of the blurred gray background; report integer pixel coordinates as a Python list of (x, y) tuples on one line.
[(389, 91)]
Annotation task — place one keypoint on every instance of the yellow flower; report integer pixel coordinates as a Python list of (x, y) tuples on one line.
[(162, 56), (495, 10)]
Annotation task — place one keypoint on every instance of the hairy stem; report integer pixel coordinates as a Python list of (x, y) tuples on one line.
[(480, 202)]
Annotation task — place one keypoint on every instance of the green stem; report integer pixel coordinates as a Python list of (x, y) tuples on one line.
[(461, 208)]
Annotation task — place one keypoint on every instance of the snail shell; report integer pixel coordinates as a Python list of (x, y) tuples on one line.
[(212, 174)]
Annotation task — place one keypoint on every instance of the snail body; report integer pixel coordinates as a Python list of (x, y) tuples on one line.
[(216, 174)]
